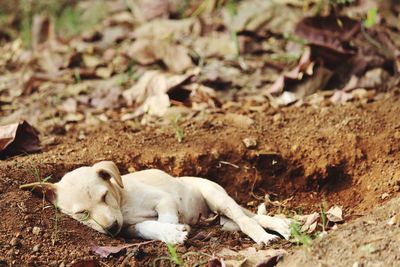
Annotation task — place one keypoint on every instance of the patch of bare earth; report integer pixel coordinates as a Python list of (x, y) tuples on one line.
[(346, 155)]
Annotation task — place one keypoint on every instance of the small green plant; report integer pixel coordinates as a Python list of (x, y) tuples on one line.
[(77, 76), (179, 133), (232, 9), (371, 17), (324, 220), (183, 260), (69, 21), (85, 216), (173, 255), (299, 236)]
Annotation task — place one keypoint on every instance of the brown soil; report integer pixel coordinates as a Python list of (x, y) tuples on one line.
[(345, 154)]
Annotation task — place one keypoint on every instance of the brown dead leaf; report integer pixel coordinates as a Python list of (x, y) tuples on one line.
[(175, 57), (105, 251), (329, 37), (309, 222), (305, 66), (144, 10), (250, 257), (42, 30), (18, 138), (154, 82), (174, 30), (110, 35), (151, 91), (335, 214), (216, 262), (69, 105), (91, 61), (263, 16), (86, 263), (215, 45)]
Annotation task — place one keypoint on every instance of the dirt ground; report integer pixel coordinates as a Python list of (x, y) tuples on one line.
[(297, 100), (346, 155)]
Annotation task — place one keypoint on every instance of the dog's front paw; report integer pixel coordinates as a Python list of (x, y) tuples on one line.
[(175, 233)]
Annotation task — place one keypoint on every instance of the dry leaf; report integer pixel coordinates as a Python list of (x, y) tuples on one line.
[(329, 36), (105, 251), (309, 222), (263, 16), (144, 10), (172, 29), (175, 57), (18, 138), (215, 262), (86, 263), (250, 257), (335, 214), (216, 45), (151, 91)]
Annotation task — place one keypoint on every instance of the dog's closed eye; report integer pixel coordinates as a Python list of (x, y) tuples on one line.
[(103, 198)]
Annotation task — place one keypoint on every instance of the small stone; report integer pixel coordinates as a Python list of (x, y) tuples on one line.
[(14, 241), (394, 220), (62, 264), (131, 169), (82, 135), (35, 248), (277, 117), (384, 196), (250, 142), (36, 230)]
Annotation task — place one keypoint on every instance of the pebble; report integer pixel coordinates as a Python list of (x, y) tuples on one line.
[(14, 241), (250, 142), (277, 117), (62, 264), (36, 230), (35, 248)]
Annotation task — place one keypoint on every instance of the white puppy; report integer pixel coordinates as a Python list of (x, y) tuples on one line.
[(151, 204)]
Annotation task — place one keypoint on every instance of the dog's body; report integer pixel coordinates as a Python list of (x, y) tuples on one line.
[(152, 204)]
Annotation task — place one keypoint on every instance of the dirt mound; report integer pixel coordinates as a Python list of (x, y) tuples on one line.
[(346, 155)]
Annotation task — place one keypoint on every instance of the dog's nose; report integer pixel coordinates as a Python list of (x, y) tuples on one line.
[(113, 229)]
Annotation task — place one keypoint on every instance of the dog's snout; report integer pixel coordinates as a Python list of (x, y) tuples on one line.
[(113, 229)]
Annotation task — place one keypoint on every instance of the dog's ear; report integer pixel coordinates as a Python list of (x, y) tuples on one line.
[(46, 189), (108, 169)]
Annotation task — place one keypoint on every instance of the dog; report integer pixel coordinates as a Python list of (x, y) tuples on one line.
[(151, 204)]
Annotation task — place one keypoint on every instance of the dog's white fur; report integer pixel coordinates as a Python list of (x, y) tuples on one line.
[(152, 204)]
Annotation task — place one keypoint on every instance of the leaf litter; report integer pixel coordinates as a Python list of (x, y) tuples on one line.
[(143, 61)]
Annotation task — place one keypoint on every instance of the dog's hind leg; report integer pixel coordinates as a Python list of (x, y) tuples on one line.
[(219, 201), (279, 225)]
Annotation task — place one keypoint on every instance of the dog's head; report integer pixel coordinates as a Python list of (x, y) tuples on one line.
[(90, 195)]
